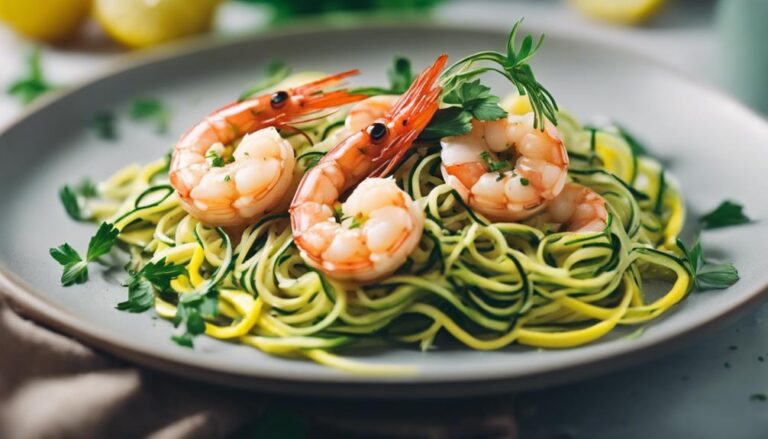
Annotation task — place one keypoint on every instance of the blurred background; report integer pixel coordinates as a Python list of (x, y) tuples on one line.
[(51, 45)]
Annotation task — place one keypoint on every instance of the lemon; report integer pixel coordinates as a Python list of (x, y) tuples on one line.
[(618, 11), (141, 23), (47, 20)]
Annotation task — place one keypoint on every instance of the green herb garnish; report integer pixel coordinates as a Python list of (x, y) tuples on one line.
[(761, 397), (275, 72), (191, 312), (708, 275), (451, 121), (103, 123), (153, 110), (141, 285), (477, 100), (728, 213), (494, 165), (69, 198), (524, 181), (75, 267), (514, 66), (33, 84), (217, 161)]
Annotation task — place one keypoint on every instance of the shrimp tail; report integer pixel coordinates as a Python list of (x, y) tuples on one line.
[(414, 109)]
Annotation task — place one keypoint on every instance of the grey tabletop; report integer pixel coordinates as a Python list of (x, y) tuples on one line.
[(713, 388)]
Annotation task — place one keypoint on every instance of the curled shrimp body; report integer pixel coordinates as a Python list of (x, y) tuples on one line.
[(367, 111), (532, 166), (232, 188), (380, 224), (577, 209)]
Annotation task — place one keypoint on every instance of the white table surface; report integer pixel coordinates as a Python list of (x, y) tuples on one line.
[(700, 391)]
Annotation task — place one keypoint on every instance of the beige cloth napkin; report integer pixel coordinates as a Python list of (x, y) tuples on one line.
[(52, 386)]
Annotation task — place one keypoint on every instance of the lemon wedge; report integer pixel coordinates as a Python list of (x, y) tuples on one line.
[(141, 23), (47, 20), (618, 11)]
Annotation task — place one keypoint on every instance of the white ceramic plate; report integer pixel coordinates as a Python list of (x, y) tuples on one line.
[(716, 148)]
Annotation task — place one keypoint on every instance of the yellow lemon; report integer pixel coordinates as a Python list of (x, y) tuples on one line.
[(141, 23), (47, 20), (618, 11)]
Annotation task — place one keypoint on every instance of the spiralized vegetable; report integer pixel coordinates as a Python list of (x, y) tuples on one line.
[(486, 284)]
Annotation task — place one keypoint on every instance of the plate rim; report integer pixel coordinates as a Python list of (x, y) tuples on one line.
[(31, 303)]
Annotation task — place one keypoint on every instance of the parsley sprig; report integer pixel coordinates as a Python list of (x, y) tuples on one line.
[(707, 275), (75, 267), (142, 284), (728, 213), (33, 84), (400, 77), (514, 66)]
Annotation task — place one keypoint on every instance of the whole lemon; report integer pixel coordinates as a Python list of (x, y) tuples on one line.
[(141, 23), (47, 20)]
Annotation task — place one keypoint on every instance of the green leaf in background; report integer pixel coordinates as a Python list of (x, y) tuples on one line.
[(728, 213), (153, 110), (103, 124), (275, 72), (400, 75), (33, 84), (285, 10)]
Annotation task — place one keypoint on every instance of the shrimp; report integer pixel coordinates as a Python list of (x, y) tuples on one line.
[(506, 169), (225, 188), (578, 209), (380, 224), (368, 111)]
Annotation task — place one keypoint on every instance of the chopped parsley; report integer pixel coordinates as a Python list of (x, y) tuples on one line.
[(728, 213), (494, 165), (227, 178), (191, 312), (217, 161), (33, 84), (708, 275), (524, 181), (151, 110), (759, 397), (75, 267), (451, 121)]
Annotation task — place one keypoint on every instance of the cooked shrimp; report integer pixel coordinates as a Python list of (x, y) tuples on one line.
[(225, 188), (380, 225), (578, 209), (506, 169), (367, 111)]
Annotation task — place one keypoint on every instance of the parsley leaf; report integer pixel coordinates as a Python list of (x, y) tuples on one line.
[(217, 161), (149, 109), (75, 268), (103, 123), (141, 296), (400, 75), (494, 165), (708, 275), (191, 312), (728, 213), (69, 198), (160, 274), (275, 72), (33, 84), (451, 121), (477, 100)]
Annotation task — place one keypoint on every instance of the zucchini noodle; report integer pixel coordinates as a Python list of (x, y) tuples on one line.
[(486, 284)]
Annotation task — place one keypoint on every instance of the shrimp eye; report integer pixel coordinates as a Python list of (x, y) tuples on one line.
[(279, 98), (377, 131)]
